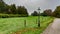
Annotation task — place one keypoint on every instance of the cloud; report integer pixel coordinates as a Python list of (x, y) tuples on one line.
[(32, 5)]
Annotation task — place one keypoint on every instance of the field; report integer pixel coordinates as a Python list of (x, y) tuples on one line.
[(16, 25)]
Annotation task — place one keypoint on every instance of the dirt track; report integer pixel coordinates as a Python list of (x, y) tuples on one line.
[(53, 28)]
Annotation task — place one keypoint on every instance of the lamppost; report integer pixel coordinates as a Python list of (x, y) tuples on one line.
[(39, 17)]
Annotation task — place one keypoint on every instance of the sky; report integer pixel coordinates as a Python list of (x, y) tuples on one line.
[(32, 5)]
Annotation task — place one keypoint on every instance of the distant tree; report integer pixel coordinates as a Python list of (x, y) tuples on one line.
[(41, 14), (47, 12), (2, 6), (22, 10), (13, 9), (34, 13), (56, 13), (8, 10)]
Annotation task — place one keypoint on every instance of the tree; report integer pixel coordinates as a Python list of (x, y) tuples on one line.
[(22, 10), (8, 10), (13, 9), (47, 12), (56, 13), (34, 13), (2, 6)]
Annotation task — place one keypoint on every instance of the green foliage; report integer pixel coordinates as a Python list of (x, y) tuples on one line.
[(56, 13), (47, 12), (11, 15), (2, 6), (10, 25), (22, 10), (34, 13), (11, 9)]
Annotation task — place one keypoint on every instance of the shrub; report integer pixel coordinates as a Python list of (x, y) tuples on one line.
[(11, 15)]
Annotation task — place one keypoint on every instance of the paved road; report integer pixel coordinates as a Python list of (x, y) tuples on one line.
[(53, 28)]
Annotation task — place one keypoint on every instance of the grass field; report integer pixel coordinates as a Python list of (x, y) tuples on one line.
[(16, 25)]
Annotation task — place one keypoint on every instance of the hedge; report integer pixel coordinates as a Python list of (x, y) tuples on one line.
[(11, 15)]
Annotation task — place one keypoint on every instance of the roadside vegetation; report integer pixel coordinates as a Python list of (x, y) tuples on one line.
[(16, 25), (16, 19)]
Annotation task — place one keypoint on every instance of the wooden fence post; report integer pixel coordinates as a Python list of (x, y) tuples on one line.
[(36, 21), (25, 23)]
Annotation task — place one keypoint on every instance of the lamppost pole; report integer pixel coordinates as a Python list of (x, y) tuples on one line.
[(39, 17)]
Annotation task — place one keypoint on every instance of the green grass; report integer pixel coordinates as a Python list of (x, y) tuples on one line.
[(9, 25)]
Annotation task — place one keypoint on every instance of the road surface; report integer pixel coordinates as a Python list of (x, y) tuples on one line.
[(53, 28)]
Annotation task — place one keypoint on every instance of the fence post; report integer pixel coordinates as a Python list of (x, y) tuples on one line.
[(36, 21), (25, 23)]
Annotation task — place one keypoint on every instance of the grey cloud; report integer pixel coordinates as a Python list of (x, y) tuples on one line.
[(32, 5)]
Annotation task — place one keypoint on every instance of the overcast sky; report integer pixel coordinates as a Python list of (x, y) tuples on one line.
[(32, 5)]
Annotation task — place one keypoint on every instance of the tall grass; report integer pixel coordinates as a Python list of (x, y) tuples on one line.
[(9, 25)]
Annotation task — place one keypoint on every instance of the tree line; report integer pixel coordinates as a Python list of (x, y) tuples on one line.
[(49, 12), (12, 9)]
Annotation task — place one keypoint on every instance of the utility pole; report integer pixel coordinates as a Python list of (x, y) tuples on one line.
[(39, 17)]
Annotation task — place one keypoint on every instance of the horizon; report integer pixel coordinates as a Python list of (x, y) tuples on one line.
[(32, 5)]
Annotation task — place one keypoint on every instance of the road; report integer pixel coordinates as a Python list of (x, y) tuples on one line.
[(53, 28)]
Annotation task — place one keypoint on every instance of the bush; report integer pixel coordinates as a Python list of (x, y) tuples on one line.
[(11, 15), (56, 13)]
